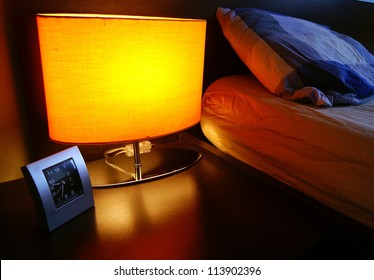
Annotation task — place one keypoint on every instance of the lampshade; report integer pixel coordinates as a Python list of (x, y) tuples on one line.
[(111, 78)]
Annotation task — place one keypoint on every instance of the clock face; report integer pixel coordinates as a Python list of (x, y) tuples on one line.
[(64, 182)]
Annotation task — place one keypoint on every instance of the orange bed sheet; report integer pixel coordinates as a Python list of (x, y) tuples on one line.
[(327, 153)]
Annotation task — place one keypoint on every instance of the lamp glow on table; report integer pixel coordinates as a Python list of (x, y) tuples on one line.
[(113, 78)]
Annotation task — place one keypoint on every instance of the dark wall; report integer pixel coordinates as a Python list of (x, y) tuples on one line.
[(351, 17)]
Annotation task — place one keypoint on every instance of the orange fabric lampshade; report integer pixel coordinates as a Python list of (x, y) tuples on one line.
[(120, 78)]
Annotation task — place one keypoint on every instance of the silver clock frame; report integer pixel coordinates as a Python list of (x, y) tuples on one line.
[(50, 216)]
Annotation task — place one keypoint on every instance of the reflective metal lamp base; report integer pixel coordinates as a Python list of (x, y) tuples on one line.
[(158, 163)]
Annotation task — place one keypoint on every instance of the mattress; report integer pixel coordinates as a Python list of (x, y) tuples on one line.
[(326, 153)]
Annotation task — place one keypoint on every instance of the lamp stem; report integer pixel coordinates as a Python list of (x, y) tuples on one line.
[(137, 161)]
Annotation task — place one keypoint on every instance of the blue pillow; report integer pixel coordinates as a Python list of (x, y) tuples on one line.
[(298, 59)]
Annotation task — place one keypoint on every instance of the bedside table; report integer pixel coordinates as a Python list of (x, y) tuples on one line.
[(217, 209)]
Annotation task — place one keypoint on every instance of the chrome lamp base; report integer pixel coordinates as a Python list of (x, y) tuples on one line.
[(158, 163)]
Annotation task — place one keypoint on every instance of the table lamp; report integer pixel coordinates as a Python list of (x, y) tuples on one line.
[(114, 78)]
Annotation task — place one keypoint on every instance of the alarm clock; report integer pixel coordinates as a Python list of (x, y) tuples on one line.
[(60, 186)]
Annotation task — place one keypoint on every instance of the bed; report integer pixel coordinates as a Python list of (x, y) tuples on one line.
[(304, 115)]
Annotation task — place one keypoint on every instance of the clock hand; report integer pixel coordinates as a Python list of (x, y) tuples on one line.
[(62, 188), (56, 184), (56, 187)]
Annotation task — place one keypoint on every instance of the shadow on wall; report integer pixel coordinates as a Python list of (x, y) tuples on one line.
[(12, 146)]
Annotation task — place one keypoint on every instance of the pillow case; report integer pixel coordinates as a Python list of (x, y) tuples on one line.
[(297, 59)]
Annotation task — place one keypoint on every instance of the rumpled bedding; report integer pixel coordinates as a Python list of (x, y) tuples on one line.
[(300, 60), (326, 153)]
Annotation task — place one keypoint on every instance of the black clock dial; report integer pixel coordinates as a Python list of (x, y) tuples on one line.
[(64, 182)]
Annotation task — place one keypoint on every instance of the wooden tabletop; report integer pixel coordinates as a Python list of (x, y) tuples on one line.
[(213, 210)]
